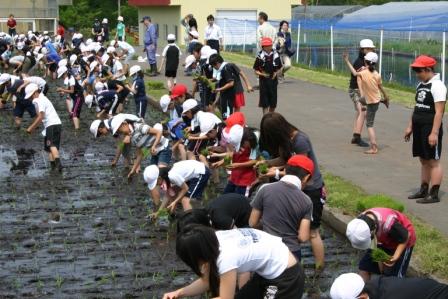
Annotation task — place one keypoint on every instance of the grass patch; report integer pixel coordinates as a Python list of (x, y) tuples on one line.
[(379, 200), (338, 80), (156, 89), (431, 250)]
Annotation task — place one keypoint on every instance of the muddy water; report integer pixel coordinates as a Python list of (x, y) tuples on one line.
[(83, 234)]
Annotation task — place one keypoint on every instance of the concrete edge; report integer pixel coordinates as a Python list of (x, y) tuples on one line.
[(337, 220)]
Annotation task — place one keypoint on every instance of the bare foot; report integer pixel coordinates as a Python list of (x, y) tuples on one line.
[(372, 151)]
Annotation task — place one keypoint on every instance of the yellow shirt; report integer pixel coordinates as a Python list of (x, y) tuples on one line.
[(369, 83)]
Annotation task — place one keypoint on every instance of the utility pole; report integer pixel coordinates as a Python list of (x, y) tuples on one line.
[(119, 8)]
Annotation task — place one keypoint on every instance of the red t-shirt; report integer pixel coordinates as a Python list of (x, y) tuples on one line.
[(242, 176), (11, 23), (61, 30)]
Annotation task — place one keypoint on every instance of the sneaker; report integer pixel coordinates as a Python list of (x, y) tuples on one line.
[(428, 199)]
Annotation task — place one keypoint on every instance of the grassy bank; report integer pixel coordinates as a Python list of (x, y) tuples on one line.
[(431, 249), (398, 94)]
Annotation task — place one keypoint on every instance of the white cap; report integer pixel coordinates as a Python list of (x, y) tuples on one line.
[(20, 45), (164, 102), (358, 232), (188, 105), (61, 71), (30, 89), (204, 52), (4, 77), (110, 50), (89, 100), (89, 41), (105, 58), (73, 58), (45, 33), (94, 127), (93, 65), (150, 175), (44, 51), (372, 57), (22, 36), (113, 43), (235, 136), (120, 18), (207, 121), (105, 21), (134, 70), (194, 33), (210, 53), (99, 86), (366, 43), (171, 37), (347, 286), (189, 61), (62, 62)]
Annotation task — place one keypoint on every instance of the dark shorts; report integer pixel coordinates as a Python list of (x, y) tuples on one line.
[(171, 73), (214, 44), (163, 157), (420, 144), (289, 285), (196, 186), (355, 96), (22, 106), (53, 67), (232, 188), (268, 93), (122, 95), (196, 146), (52, 137), (371, 112), (77, 106), (398, 269), (318, 206)]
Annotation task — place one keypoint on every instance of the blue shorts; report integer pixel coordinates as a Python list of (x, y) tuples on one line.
[(163, 157), (398, 269), (197, 185), (22, 106)]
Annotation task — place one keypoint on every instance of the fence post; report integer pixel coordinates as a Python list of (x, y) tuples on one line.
[(332, 48), (225, 34), (244, 44), (443, 56), (381, 51), (298, 44)]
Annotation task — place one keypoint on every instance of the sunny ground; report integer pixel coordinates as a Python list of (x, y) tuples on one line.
[(431, 251)]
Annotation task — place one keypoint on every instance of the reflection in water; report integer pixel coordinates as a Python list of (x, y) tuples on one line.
[(18, 162)]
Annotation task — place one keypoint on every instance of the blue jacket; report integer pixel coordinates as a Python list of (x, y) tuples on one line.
[(151, 36)]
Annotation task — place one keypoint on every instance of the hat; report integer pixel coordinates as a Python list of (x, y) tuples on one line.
[(150, 175), (194, 33), (347, 286), (73, 58), (205, 50), (171, 37), (105, 21), (236, 118), (164, 102), (210, 53), (189, 61), (372, 57), (120, 18), (424, 61), (61, 71), (93, 65), (207, 122), (116, 122), (134, 70), (4, 78), (235, 136), (89, 100), (30, 89), (178, 90), (45, 33), (145, 18), (266, 41), (99, 86), (358, 232), (110, 50), (94, 127), (302, 161), (366, 43), (188, 105), (62, 62), (89, 41)]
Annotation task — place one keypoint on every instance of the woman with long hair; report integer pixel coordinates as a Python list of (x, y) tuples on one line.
[(284, 47), (218, 257)]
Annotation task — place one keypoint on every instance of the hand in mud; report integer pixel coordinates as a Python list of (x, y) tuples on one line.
[(172, 295), (172, 206), (153, 216), (130, 174), (29, 131), (114, 163)]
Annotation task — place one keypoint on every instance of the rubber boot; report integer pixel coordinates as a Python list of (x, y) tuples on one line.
[(58, 165), (432, 197), (52, 165), (153, 72), (422, 193)]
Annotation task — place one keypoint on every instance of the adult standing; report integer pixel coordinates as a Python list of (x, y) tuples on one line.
[(97, 31), (213, 34), (105, 25), (426, 128), (185, 22), (11, 23), (121, 30), (150, 44), (284, 47), (265, 29), (365, 46)]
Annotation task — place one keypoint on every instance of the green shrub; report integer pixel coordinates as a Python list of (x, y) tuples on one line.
[(155, 85), (378, 201)]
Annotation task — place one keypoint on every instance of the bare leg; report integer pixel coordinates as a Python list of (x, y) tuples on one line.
[(76, 123), (359, 119), (265, 110), (436, 172), (18, 122), (186, 204), (373, 144), (318, 248), (425, 171), (271, 109), (54, 153)]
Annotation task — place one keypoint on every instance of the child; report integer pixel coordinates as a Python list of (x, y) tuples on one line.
[(371, 89), (75, 91), (426, 128), (268, 66), (138, 89), (107, 101), (175, 125), (48, 116), (193, 35), (393, 232), (171, 54)]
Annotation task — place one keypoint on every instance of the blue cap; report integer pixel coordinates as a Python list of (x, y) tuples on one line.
[(145, 18)]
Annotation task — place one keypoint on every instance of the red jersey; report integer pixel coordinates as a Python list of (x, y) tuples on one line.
[(11, 23), (242, 176)]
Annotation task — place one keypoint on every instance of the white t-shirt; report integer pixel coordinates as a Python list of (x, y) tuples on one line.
[(69, 81), (438, 89), (183, 171), (126, 46), (213, 32), (118, 66), (251, 250), (37, 80), (51, 117)]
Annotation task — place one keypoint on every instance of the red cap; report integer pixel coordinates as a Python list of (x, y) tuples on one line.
[(236, 118), (424, 61), (302, 161), (178, 90), (266, 41)]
